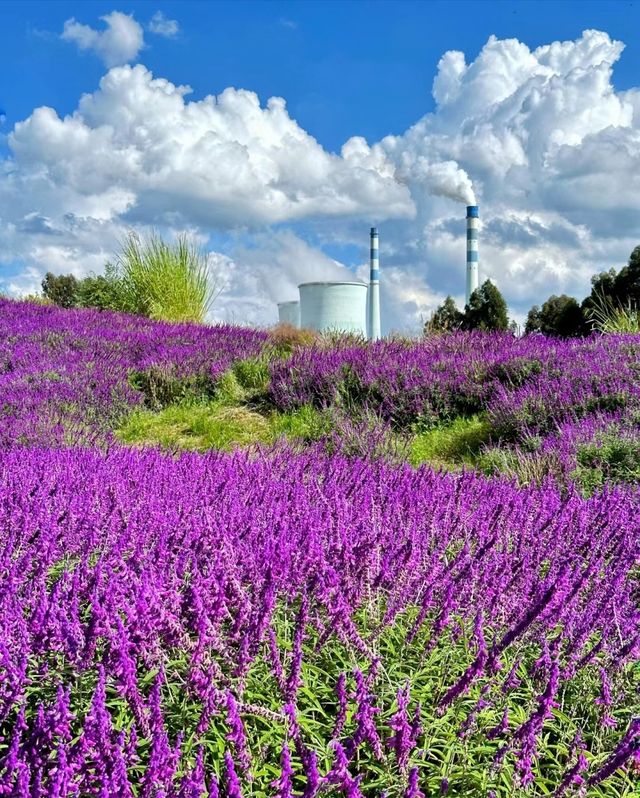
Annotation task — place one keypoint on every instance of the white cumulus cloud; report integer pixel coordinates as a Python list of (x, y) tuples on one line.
[(119, 42), (540, 138)]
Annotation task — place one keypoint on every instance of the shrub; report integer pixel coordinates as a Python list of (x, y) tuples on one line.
[(527, 468), (457, 443), (284, 338), (306, 424), (171, 282), (102, 291), (253, 376), (228, 390), (611, 459), (161, 386), (37, 299)]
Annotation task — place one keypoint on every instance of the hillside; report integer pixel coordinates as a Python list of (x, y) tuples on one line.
[(296, 605)]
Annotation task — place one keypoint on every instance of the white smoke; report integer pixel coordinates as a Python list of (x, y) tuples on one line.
[(440, 178), (445, 179)]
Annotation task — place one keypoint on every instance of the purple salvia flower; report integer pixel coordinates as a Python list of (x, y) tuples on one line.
[(627, 748), (193, 784), (501, 727), (339, 772), (236, 734), (341, 694), (231, 782), (214, 790), (276, 660), (413, 790), (284, 783), (294, 680), (314, 779), (401, 740), (365, 720)]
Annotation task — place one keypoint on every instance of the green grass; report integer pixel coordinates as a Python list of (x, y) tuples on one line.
[(451, 445), (199, 426)]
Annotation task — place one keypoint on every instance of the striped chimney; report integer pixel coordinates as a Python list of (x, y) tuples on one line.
[(472, 250), (374, 288)]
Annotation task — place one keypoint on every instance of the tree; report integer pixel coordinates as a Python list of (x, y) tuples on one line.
[(615, 290), (559, 315), (445, 318), (533, 323), (486, 310), (102, 291), (626, 286), (61, 289)]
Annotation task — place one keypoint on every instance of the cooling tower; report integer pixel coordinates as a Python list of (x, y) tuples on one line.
[(289, 312), (339, 307), (472, 250), (374, 288)]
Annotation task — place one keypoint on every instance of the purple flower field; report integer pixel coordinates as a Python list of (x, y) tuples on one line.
[(288, 623), (63, 373), (122, 605), (534, 391), (526, 384)]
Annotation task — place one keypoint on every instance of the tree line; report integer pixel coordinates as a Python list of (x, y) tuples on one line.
[(612, 292)]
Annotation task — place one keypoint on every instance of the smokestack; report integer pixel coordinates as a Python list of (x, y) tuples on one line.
[(374, 289), (472, 250)]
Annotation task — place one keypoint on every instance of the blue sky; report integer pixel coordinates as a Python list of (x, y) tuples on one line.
[(345, 69)]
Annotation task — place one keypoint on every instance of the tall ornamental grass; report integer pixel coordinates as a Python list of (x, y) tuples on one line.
[(167, 282), (609, 316)]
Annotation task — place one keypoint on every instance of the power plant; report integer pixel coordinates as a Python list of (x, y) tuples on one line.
[(354, 307), (339, 306), (472, 250)]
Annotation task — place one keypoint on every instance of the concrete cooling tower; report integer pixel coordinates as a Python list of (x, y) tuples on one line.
[(289, 312), (334, 306)]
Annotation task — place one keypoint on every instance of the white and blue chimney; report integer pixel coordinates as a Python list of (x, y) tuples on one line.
[(374, 288), (473, 223)]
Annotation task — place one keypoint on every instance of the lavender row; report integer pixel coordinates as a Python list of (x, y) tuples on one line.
[(528, 385), (64, 375), (174, 626)]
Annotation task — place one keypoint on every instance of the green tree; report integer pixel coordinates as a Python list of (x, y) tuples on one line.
[(445, 318), (486, 310), (614, 290), (102, 291), (533, 323), (627, 281), (61, 289), (559, 315)]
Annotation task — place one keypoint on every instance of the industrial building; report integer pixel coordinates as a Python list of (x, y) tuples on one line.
[(289, 312), (338, 306), (354, 307)]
